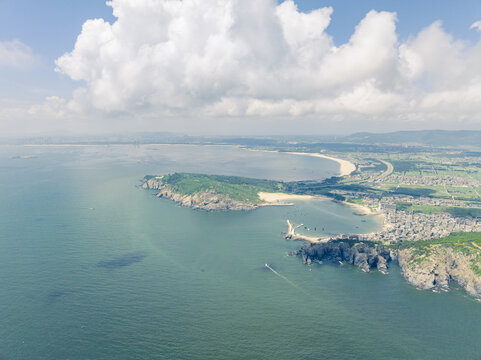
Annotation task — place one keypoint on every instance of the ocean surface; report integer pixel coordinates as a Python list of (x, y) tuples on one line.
[(93, 267)]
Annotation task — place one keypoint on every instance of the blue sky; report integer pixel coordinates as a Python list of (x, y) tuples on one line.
[(50, 29), (51, 26), (457, 16)]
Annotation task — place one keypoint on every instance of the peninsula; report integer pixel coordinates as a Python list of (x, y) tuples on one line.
[(430, 206), (217, 192)]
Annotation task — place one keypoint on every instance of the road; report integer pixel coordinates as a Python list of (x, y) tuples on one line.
[(388, 171)]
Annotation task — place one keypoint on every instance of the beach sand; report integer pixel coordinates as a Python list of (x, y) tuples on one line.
[(277, 197), (361, 209), (345, 167)]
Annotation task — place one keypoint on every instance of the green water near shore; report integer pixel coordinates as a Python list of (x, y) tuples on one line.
[(92, 267)]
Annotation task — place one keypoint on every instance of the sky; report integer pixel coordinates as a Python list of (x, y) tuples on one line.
[(238, 67)]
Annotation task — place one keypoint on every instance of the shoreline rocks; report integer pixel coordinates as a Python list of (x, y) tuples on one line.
[(208, 200), (437, 270), (433, 271), (361, 255)]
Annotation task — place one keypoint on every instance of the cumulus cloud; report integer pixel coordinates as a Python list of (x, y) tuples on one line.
[(448, 71), (16, 54), (231, 58)]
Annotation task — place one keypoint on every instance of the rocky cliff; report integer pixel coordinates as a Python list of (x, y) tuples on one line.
[(438, 267), (207, 200), (431, 269), (364, 256)]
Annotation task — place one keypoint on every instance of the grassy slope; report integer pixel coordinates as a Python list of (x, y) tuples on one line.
[(430, 209), (466, 243), (237, 188)]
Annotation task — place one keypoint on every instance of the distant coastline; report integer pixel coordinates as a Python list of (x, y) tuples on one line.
[(346, 167)]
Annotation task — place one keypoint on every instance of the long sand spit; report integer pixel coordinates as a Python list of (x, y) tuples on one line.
[(345, 167)]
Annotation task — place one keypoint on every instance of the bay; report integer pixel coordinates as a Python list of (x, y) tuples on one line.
[(93, 267)]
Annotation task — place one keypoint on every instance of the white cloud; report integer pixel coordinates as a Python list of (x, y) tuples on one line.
[(233, 58), (476, 25), (178, 56), (16, 54)]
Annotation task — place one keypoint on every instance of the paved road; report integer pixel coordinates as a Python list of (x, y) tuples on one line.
[(388, 171)]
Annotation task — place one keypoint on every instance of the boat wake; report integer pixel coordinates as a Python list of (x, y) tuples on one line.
[(284, 278)]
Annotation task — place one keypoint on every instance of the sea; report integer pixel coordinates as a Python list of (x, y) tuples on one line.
[(94, 267)]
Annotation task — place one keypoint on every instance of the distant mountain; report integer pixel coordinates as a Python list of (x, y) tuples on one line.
[(424, 137)]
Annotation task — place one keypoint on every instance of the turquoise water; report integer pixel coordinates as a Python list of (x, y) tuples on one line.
[(92, 267)]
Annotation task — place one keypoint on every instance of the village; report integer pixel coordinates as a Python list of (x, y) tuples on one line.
[(412, 217)]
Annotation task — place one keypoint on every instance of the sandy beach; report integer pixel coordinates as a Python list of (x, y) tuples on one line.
[(345, 167), (366, 210), (361, 209), (277, 197)]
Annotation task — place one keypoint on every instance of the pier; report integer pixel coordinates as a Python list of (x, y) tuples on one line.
[(291, 235)]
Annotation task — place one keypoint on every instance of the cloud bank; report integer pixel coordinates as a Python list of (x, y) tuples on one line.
[(217, 58), (237, 60)]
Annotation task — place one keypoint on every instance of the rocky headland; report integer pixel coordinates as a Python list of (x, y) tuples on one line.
[(432, 270), (437, 268), (431, 264), (208, 200), (364, 256)]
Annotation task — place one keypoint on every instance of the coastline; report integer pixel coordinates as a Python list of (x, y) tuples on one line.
[(271, 198), (365, 210), (362, 209), (291, 235), (365, 251), (345, 167)]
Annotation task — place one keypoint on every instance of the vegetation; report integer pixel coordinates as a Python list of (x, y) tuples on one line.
[(431, 209), (237, 188), (466, 242), (405, 165), (246, 189), (459, 193), (357, 201), (477, 268), (415, 191)]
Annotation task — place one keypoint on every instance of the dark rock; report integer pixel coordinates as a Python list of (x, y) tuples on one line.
[(364, 256)]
